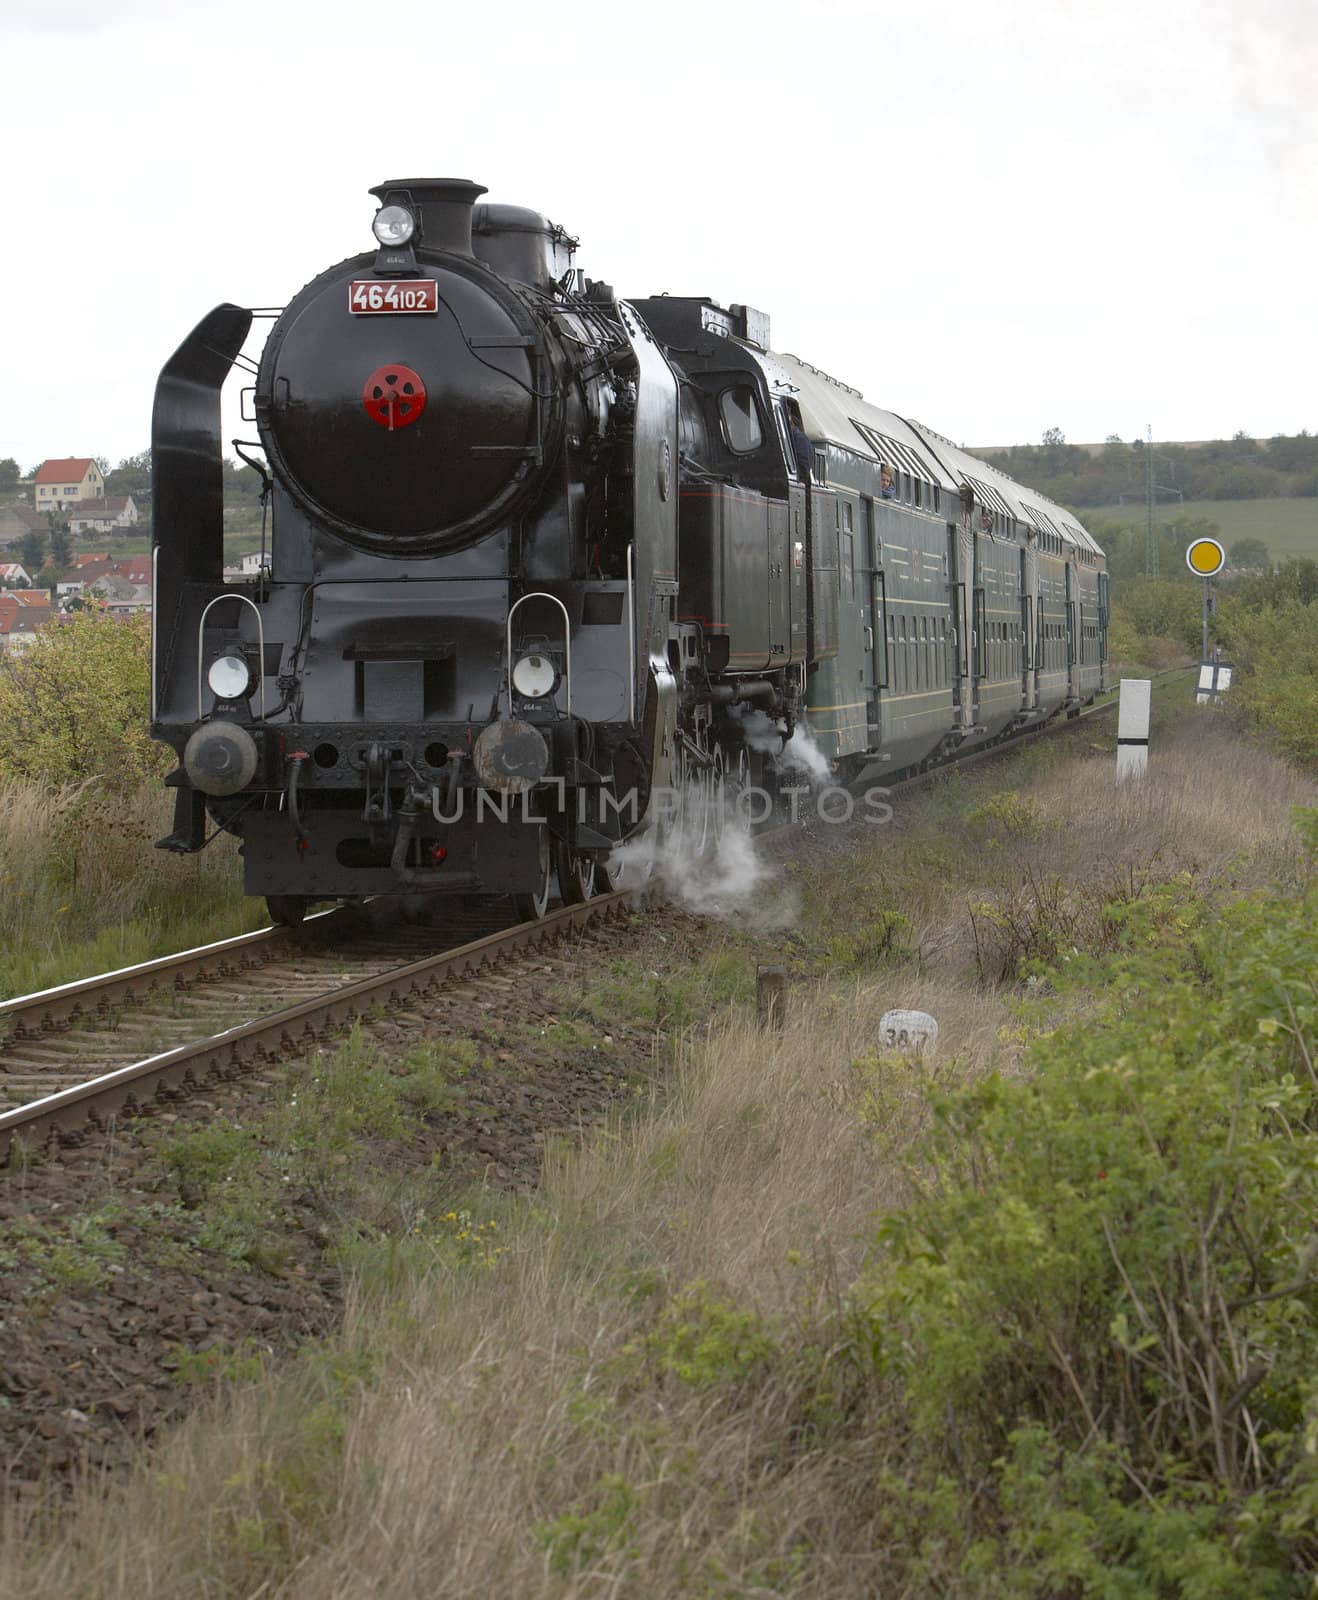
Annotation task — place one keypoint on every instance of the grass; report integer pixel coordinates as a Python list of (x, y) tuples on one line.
[(82, 890), (81, 1257), (664, 1377), (1288, 526)]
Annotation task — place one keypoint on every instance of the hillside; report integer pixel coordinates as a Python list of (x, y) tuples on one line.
[(1288, 526), (1114, 479)]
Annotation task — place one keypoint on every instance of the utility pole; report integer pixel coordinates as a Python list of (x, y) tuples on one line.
[(1150, 542)]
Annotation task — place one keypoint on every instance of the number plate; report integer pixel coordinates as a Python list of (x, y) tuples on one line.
[(386, 297)]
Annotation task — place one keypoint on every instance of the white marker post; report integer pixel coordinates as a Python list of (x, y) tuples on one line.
[(1136, 697), (907, 1030)]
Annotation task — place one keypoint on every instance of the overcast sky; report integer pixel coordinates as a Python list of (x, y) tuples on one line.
[(997, 218)]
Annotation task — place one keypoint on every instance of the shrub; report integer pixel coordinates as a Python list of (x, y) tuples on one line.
[(1159, 608), (75, 704), (1276, 654), (1101, 1322)]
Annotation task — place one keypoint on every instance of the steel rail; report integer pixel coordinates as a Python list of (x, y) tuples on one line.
[(225, 1054), (29, 1014)]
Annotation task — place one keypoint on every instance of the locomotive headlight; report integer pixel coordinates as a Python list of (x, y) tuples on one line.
[(230, 678), (535, 677), (393, 225)]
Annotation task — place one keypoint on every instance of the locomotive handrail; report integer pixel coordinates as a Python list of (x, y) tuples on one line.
[(539, 594), (260, 644)]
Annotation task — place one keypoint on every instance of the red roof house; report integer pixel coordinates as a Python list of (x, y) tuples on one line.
[(66, 480)]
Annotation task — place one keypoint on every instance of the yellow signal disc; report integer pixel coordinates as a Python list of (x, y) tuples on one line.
[(1205, 557)]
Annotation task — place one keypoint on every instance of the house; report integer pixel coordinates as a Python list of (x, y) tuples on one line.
[(122, 583), (12, 576), (115, 511), (248, 566), (132, 569), (66, 482), (26, 597), (20, 624), (117, 595), (15, 521)]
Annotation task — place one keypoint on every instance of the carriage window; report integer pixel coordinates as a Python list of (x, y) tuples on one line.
[(741, 420), (848, 562)]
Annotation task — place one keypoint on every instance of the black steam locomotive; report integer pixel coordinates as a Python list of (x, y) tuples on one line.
[(539, 554)]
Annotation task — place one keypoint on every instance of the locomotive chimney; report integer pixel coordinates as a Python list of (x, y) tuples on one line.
[(442, 207)]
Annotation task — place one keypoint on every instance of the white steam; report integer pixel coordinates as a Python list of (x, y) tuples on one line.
[(730, 879), (801, 754), (729, 876)]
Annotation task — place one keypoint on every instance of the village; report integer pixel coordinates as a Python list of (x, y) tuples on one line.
[(67, 545)]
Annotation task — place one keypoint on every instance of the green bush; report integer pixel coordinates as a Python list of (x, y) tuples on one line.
[(1100, 1323), (76, 703), (1159, 608), (1275, 649)]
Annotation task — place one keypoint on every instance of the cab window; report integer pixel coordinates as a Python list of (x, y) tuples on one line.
[(740, 419), (784, 438)]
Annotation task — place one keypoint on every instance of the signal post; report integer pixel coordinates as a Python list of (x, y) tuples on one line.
[(1206, 558)]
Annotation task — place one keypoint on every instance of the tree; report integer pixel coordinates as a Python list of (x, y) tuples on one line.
[(8, 473), (132, 476), (75, 703), (32, 550), (1249, 555), (61, 545), (1053, 436), (1293, 452)]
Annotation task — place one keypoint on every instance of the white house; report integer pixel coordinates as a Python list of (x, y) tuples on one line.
[(114, 511)]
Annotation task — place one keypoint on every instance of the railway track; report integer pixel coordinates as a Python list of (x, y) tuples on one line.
[(82, 1054), (72, 1057)]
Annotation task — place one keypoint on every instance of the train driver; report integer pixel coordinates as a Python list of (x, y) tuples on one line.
[(887, 487)]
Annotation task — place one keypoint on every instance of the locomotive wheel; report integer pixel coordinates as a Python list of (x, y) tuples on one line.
[(689, 826), (286, 910), (698, 808), (718, 796), (532, 904), (576, 875), (738, 775)]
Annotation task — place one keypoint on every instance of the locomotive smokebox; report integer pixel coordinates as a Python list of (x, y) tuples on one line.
[(412, 414), (442, 207)]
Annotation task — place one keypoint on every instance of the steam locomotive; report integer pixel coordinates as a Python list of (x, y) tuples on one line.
[(539, 555)]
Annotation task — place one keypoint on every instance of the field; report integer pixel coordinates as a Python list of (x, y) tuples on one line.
[(1288, 527)]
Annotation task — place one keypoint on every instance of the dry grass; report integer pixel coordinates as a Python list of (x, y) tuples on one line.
[(1210, 800), (82, 889), (537, 1425), (757, 1176)]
